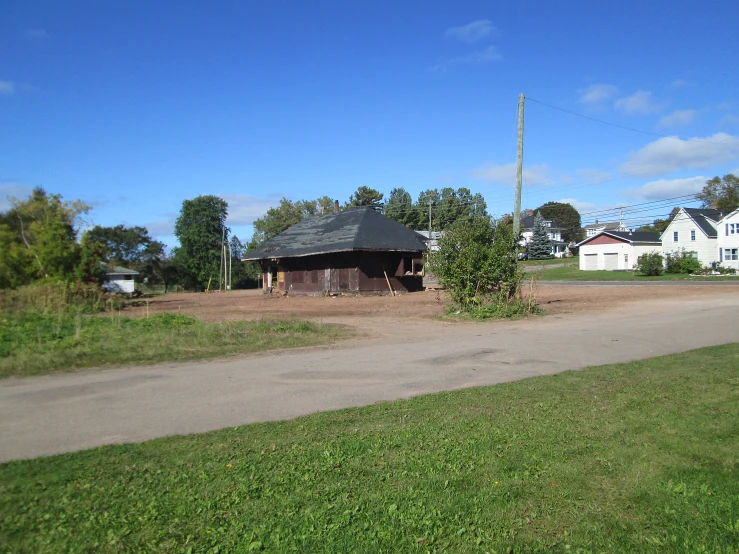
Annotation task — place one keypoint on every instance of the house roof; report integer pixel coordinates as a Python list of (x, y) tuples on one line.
[(609, 226), (702, 216), (528, 223), (116, 269), (635, 237), (730, 214), (356, 229)]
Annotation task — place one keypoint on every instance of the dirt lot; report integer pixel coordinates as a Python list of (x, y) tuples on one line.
[(354, 310)]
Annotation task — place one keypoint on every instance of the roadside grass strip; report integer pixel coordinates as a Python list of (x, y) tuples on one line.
[(574, 273), (638, 457), (33, 343)]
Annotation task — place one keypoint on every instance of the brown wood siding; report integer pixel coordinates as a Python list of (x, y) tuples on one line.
[(348, 273), (604, 239)]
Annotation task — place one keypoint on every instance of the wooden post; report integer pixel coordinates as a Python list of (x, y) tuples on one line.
[(519, 171)]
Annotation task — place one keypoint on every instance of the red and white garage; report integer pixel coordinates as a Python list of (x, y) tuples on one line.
[(614, 250)]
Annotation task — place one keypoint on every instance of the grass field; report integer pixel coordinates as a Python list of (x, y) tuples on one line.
[(639, 457), (554, 261), (573, 273), (33, 343)]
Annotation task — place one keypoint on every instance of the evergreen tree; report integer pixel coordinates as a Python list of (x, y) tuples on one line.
[(540, 247)]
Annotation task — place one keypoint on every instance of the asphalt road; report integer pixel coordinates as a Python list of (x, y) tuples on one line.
[(62, 413)]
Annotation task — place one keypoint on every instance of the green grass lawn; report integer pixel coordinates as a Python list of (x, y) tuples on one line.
[(573, 273), (34, 343), (638, 457), (568, 261)]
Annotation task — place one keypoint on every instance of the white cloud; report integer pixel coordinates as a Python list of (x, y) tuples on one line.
[(577, 204), (639, 103), (7, 87), (36, 34), (677, 118), (667, 188), (681, 83), (505, 174), (12, 189), (596, 94), (489, 54), (670, 154), (729, 120), (244, 209), (472, 32)]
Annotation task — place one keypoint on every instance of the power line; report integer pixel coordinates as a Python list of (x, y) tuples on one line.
[(623, 126)]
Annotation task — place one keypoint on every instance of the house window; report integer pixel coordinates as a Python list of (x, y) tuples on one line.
[(626, 260), (731, 254), (692, 234), (731, 227), (674, 236)]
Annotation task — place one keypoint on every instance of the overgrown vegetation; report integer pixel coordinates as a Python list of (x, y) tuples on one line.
[(650, 264), (683, 262), (638, 457), (36, 343), (476, 262)]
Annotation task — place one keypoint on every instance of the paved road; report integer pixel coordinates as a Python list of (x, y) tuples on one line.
[(734, 282), (61, 413)]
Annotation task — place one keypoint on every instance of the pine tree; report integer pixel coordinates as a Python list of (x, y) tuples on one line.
[(540, 247)]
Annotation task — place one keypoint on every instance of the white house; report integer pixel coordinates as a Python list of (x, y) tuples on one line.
[(613, 250), (727, 242), (559, 247), (596, 228), (119, 279), (693, 230)]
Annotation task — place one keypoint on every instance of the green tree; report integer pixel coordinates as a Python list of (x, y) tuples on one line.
[(127, 246), (200, 229), (539, 247), (564, 216), (721, 193), (365, 196), (399, 207), (476, 262), (46, 227)]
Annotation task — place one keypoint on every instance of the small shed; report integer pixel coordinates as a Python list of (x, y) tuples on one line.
[(353, 251), (119, 279), (616, 250)]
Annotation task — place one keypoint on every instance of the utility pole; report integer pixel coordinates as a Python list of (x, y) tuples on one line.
[(429, 221), (519, 170), (220, 269)]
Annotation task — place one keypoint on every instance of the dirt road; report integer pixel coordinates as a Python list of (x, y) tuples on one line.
[(396, 357)]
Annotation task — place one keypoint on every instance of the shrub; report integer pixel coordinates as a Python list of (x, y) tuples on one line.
[(477, 263), (683, 262), (650, 264), (57, 296)]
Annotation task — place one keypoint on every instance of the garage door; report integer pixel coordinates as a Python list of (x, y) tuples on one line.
[(610, 261), (591, 262)]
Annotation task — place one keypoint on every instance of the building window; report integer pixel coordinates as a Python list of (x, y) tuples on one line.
[(674, 236), (692, 234), (731, 254), (626, 260)]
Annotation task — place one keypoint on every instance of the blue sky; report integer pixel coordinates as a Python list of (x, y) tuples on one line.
[(135, 106)]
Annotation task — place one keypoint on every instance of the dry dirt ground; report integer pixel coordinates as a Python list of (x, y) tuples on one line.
[(364, 310)]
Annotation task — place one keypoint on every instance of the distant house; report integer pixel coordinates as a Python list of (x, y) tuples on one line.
[(559, 247), (693, 230), (596, 228), (614, 250), (727, 241), (353, 251), (433, 243), (119, 279)]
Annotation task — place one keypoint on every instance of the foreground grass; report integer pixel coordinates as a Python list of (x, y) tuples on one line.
[(573, 273), (639, 457), (35, 343)]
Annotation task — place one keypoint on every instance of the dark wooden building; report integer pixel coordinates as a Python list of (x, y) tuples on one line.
[(354, 251)]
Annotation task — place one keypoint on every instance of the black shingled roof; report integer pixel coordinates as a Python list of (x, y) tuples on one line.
[(528, 223), (356, 229), (632, 237), (701, 215)]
